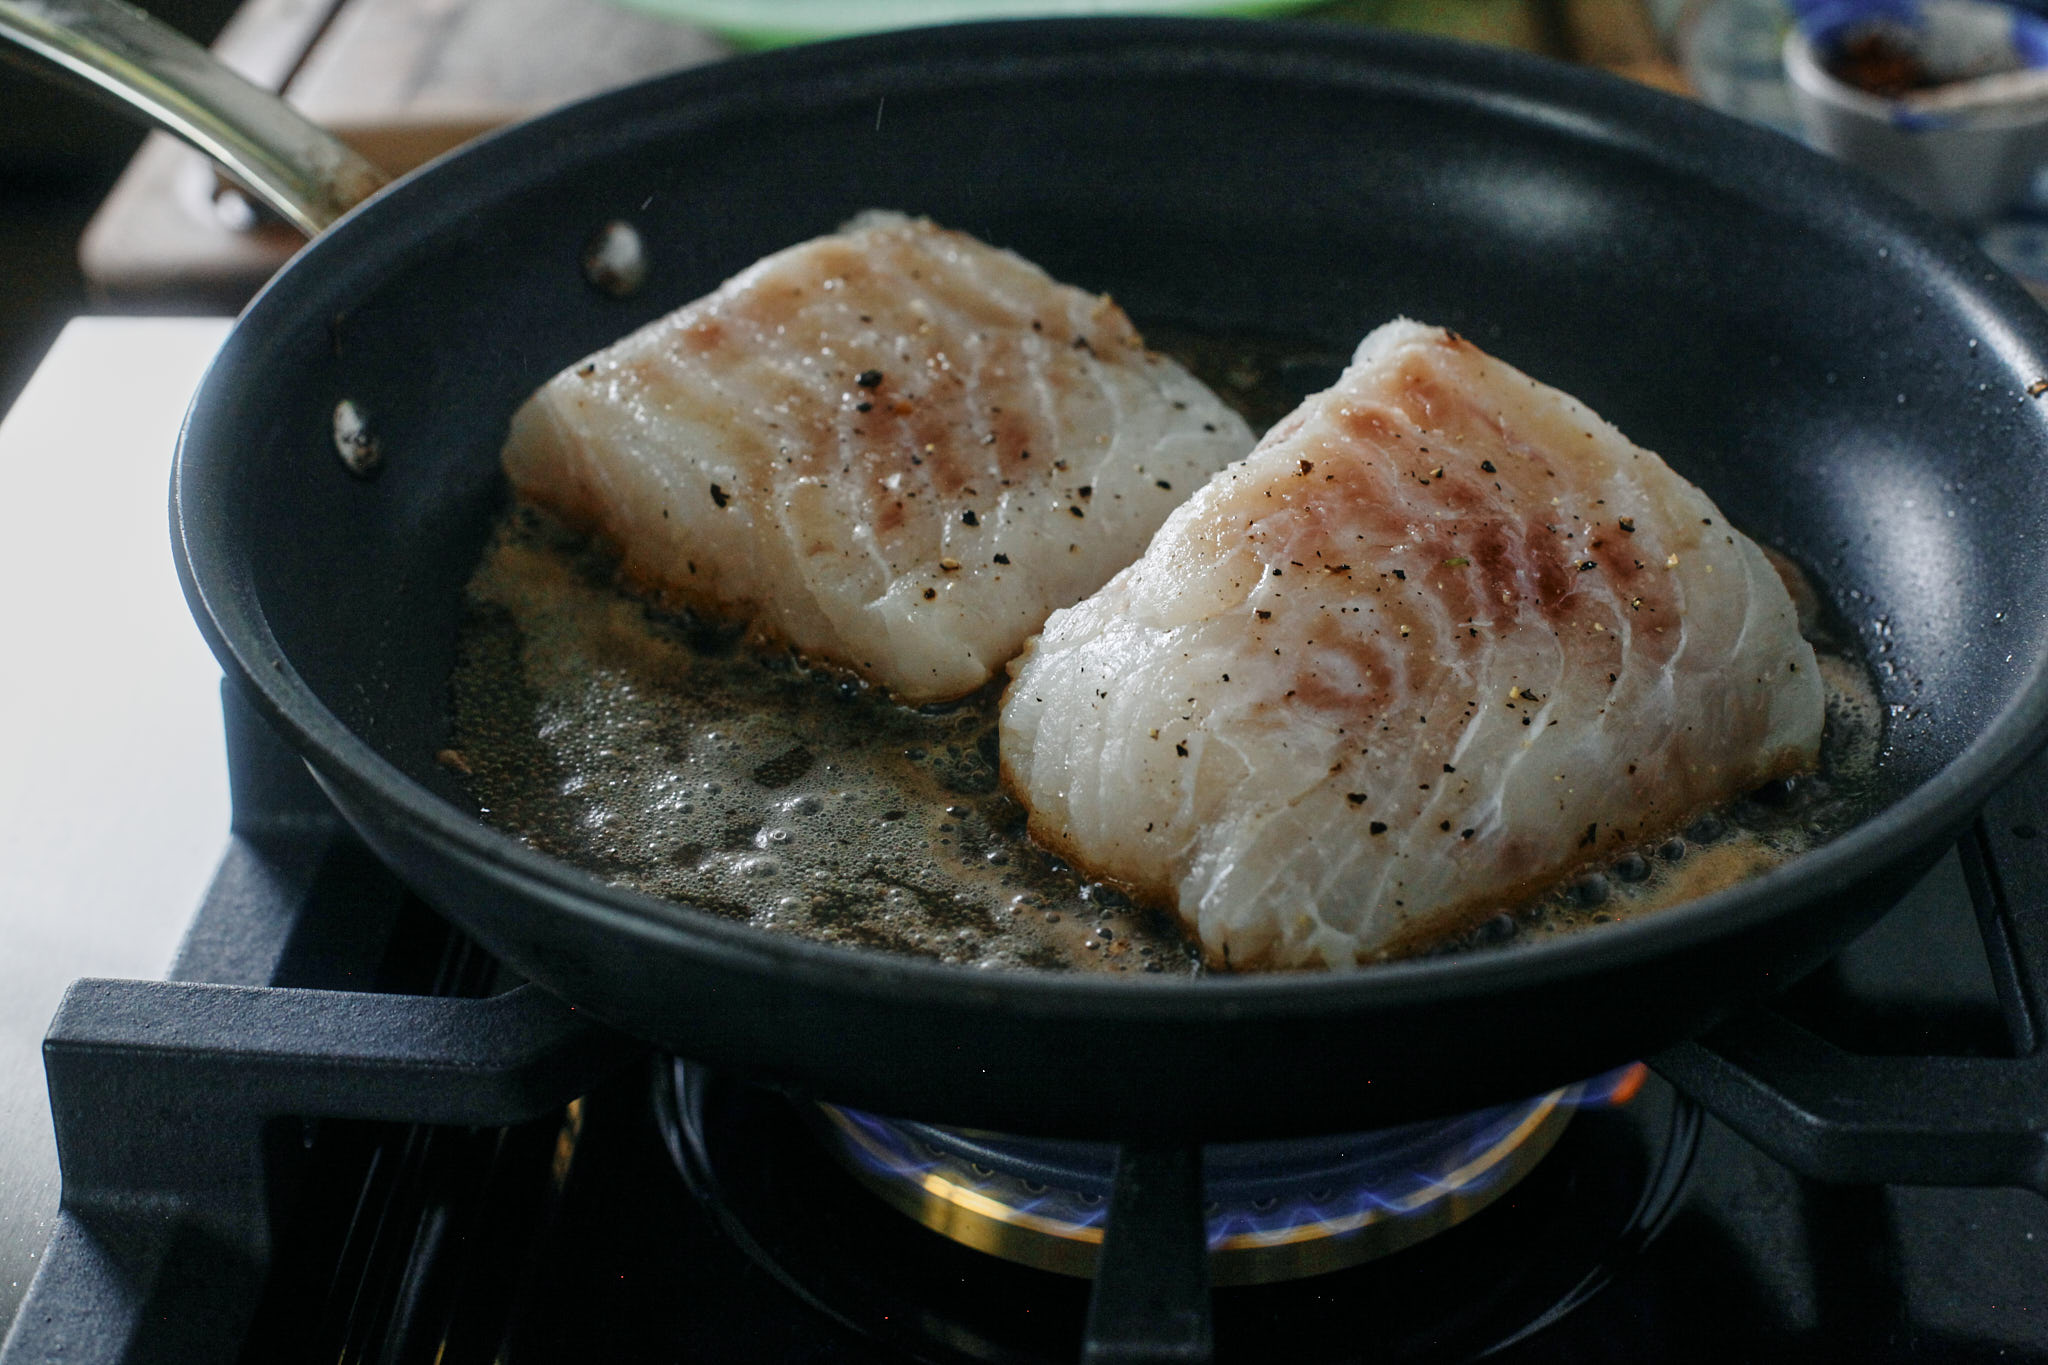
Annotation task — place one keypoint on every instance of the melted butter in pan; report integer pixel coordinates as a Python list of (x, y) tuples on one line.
[(681, 763)]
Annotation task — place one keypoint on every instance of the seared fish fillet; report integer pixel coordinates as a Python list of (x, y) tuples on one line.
[(895, 448), (1442, 638)]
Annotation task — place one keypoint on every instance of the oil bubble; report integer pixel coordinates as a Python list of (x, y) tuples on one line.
[(1706, 829), (1775, 794), (1498, 929)]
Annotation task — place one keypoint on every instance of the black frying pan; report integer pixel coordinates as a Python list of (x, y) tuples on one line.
[(1847, 378)]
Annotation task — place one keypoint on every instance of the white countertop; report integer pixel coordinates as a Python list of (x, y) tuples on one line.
[(113, 782)]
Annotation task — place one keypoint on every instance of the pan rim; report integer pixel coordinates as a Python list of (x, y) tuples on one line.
[(1578, 102)]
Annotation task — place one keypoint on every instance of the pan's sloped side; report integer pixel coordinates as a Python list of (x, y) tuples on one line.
[(1279, 1056), (1846, 379)]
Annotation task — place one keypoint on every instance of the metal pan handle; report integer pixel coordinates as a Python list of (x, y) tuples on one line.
[(297, 168)]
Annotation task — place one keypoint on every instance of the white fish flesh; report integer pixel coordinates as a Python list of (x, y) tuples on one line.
[(895, 448), (1442, 639)]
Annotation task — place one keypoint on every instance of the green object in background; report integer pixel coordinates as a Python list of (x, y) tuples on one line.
[(776, 23), (1523, 24)]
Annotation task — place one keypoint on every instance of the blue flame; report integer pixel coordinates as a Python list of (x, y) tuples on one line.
[(1257, 1192)]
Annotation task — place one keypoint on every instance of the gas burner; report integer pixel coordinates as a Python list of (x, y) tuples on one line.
[(1532, 1239), (1275, 1211)]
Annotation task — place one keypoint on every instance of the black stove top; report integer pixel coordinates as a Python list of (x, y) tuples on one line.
[(493, 1178)]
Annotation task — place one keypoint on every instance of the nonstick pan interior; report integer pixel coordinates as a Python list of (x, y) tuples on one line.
[(1847, 379)]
